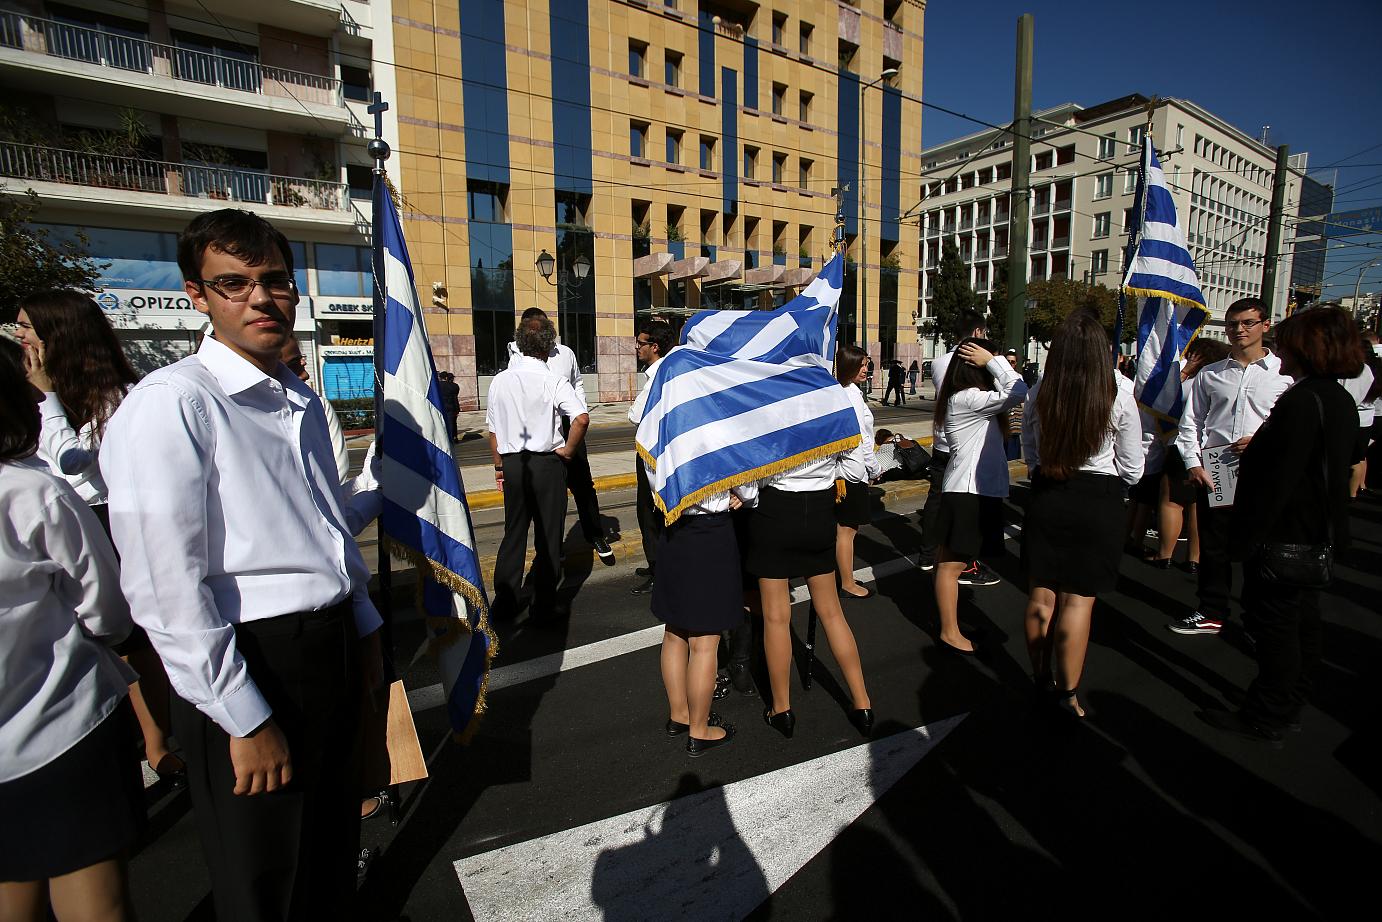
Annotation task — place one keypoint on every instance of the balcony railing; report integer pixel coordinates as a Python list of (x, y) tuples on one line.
[(138, 55), (45, 164)]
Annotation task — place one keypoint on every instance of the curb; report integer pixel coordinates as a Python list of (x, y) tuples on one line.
[(492, 499)]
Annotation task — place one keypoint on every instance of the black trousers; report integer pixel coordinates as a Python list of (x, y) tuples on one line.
[(534, 495), (936, 475), (650, 520), (1289, 632), (582, 487), (1216, 571), (894, 387), (739, 642), (289, 854)]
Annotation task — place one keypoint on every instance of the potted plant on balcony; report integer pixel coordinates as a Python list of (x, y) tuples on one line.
[(674, 234)]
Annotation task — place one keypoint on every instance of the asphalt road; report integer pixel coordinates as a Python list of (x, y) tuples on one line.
[(573, 803)]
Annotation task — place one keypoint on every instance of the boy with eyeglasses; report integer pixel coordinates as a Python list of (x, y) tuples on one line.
[(237, 561), (1225, 404)]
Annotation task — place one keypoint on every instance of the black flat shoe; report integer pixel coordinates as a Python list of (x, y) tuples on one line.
[(862, 718), (784, 723), (1192, 566), (676, 728), (644, 587), (1063, 700), (721, 686), (956, 651), (172, 771), (1161, 563), (695, 747), (868, 594)]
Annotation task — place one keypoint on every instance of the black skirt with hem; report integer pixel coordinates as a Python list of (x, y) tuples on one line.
[(699, 587), (1072, 537), (792, 534), (969, 525), (853, 510)]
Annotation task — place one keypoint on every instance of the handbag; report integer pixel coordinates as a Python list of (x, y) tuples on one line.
[(912, 458), (1302, 566)]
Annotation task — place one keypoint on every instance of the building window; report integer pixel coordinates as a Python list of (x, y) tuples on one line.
[(638, 59), (806, 98), (344, 271), (750, 161), (805, 46), (485, 201), (779, 98), (804, 172), (1044, 161), (672, 70), (355, 83), (707, 153), (1103, 186), (1101, 224), (1004, 171), (638, 139), (779, 28), (1098, 263), (1180, 135), (1135, 136), (779, 167), (1127, 219), (1065, 155), (1106, 147), (1129, 182), (673, 146)]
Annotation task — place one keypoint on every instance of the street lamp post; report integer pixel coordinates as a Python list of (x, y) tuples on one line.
[(1358, 286), (887, 74), (580, 267)]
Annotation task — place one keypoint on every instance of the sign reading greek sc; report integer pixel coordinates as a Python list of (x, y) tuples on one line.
[(345, 308), (143, 301)]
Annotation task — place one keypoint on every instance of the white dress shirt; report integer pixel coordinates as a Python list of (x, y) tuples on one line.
[(1228, 400), (719, 502), (938, 368), (640, 403), (526, 403), (224, 506), (60, 604), (859, 463), (1358, 387), (978, 463), (1122, 452), (338, 442), (811, 476), (70, 454), (562, 363)]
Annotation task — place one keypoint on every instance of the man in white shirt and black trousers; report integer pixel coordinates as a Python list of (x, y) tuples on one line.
[(562, 362), (653, 341), (236, 559), (1225, 404), (526, 404)]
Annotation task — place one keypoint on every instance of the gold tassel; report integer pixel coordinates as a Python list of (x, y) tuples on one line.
[(840, 490)]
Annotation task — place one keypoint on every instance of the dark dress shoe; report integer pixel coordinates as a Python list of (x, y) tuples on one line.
[(642, 571), (741, 679), (784, 723), (956, 651), (862, 718), (1242, 726), (1161, 563), (603, 550), (868, 594), (695, 747), (721, 686), (644, 587), (676, 728), (1192, 566)]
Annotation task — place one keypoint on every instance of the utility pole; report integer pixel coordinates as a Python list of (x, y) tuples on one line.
[(1017, 229), (1274, 231)]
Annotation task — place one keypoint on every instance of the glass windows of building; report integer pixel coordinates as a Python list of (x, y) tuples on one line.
[(707, 152), (673, 146), (1098, 263), (138, 259), (1101, 224), (1127, 219), (638, 59), (804, 172), (491, 294), (299, 251), (750, 161), (779, 28), (485, 201), (779, 98), (1043, 161), (638, 139), (1103, 185), (1107, 145), (1135, 135), (344, 271), (1129, 182), (575, 296), (671, 71), (779, 167), (804, 45), (805, 106)]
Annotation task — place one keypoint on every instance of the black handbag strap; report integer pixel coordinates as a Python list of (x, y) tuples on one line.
[(1324, 467)]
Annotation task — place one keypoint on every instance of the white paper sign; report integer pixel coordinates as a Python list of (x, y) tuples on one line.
[(1222, 466)]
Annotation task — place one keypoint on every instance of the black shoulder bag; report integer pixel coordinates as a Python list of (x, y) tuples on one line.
[(1303, 566)]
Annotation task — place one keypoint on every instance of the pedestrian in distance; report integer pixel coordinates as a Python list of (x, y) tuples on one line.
[(896, 376), (858, 468), (1224, 405), (651, 344), (237, 561), (450, 401), (1307, 443), (1012, 444), (912, 371), (868, 376), (72, 799), (527, 402), (73, 357), (979, 389), (1082, 438), (1361, 388)]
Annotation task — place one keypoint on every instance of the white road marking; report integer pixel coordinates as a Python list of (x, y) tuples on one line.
[(715, 854)]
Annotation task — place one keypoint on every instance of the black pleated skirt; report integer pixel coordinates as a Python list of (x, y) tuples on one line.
[(853, 510), (970, 526), (1072, 537), (699, 588), (792, 534)]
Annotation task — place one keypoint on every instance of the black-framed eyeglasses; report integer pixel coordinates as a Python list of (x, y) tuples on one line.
[(1243, 324), (640, 343), (239, 288)]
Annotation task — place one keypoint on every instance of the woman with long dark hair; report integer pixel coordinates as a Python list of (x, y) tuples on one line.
[(1293, 482), (73, 357), (73, 806), (1082, 438), (971, 409), (858, 468)]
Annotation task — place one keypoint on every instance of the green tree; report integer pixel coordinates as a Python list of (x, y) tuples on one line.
[(952, 294), (30, 262), (996, 311), (1056, 298)]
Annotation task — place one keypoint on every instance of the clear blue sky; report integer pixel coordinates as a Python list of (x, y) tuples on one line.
[(1311, 70)]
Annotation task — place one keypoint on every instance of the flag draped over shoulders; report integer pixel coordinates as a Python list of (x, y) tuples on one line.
[(1171, 306), (747, 394), (425, 519)]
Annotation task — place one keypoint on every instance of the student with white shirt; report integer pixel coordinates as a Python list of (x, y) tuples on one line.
[(970, 324), (971, 407), (858, 468), (653, 342), (526, 404), (1225, 404), (73, 356), (236, 559), (562, 362), (1082, 438), (1360, 388), (72, 799)]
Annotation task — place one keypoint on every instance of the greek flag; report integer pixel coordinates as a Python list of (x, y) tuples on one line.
[(747, 394), (425, 520), (1171, 308)]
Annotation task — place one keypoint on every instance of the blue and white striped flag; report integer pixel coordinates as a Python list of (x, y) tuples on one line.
[(426, 520), (1171, 308), (747, 395)]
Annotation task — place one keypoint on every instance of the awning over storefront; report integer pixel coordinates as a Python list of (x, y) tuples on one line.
[(651, 265), (693, 267)]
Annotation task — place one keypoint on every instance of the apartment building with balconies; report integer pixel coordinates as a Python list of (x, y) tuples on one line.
[(1084, 165), (130, 117)]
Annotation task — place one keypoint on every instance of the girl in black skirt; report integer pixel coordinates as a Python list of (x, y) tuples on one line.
[(699, 592), (858, 468), (1082, 438)]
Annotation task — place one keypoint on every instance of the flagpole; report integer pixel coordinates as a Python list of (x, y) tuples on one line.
[(1139, 207)]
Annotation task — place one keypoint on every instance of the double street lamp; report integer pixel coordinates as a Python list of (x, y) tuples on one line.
[(887, 74)]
